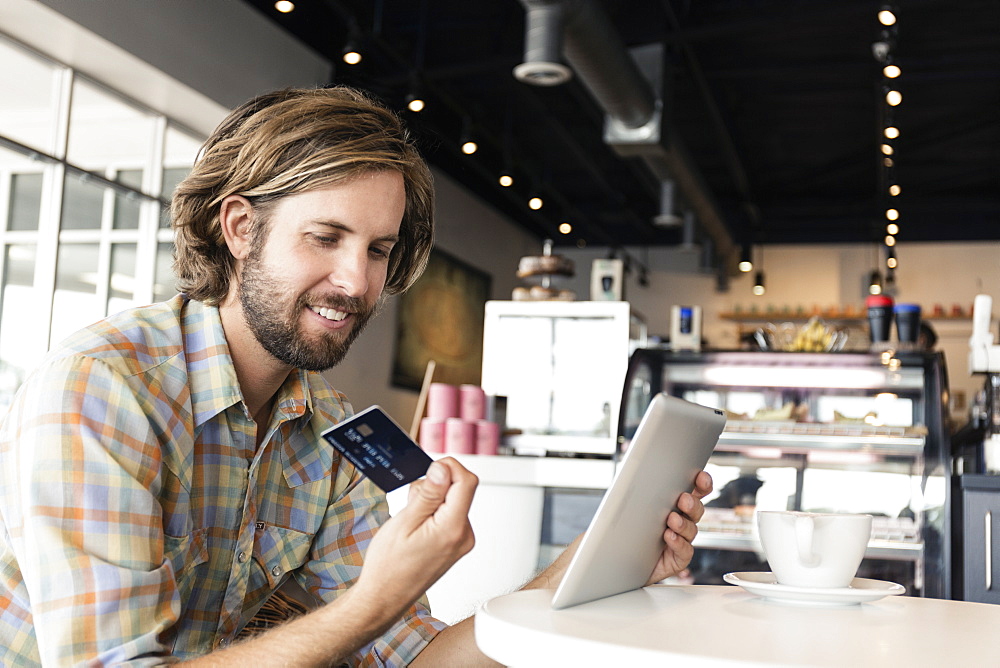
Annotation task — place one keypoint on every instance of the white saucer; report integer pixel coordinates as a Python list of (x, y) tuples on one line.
[(861, 590)]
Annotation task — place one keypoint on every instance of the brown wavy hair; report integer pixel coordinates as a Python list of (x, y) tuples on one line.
[(291, 141)]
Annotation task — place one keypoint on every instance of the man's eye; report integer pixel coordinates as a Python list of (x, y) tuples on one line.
[(324, 239), (380, 252)]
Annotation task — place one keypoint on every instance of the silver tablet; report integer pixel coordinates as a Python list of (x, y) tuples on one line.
[(624, 540)]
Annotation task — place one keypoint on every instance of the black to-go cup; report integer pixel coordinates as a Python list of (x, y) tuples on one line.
[(907, 322), (879, 317)]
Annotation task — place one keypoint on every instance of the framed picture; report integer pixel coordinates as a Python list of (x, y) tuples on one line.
[(441, 319)]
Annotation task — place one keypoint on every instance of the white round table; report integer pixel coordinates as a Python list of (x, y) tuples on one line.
[(703, 625)]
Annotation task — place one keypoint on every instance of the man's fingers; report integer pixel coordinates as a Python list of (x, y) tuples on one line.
[(682, 526), (446, 491), (462, 489), (703, 485)]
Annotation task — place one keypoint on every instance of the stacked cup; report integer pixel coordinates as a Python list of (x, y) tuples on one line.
[(456, 421)]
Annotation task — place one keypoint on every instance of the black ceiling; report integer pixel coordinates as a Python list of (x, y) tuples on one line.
[(777, 103)]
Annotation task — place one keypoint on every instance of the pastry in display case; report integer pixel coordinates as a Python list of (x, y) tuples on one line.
[(822, 432)]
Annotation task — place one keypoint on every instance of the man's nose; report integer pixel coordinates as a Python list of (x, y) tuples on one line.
[(350, 273)]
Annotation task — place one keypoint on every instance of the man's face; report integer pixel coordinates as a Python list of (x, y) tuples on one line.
[(314, 274)]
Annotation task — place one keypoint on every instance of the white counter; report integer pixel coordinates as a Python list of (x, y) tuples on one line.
[(709, 626)]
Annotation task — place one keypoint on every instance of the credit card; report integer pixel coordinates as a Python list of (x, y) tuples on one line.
[(379, 448)]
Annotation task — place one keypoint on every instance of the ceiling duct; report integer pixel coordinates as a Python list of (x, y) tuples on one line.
[(543, 39), (689, 242), (634, 124), (666, 217)]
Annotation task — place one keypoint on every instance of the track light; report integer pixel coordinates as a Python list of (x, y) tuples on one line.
[(891, 71), (506, 180), (886, 16), (892, 228), (892, 214), (894, 189), (284, 6), (891, 132), (758, 283), (565, 228), (893, 97), (535, 203)]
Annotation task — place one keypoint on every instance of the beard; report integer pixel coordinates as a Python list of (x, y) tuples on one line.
[(276, 319)]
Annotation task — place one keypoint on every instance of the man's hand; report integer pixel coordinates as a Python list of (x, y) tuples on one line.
[(417, 546), (681, 529)]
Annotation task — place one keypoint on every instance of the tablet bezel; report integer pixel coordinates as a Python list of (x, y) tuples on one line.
[(620, 548)]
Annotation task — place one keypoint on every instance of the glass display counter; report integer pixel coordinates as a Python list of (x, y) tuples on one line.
[(834, 432)]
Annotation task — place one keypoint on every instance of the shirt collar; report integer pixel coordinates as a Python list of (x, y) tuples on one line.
[(212, 375)]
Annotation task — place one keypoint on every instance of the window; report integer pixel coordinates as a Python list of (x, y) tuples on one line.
[(85, 179)]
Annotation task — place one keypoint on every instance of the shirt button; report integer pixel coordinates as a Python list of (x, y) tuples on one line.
[(223, 643), (242, 557), (276, 571)]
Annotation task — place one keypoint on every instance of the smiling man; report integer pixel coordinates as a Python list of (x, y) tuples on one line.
[(162, 474)]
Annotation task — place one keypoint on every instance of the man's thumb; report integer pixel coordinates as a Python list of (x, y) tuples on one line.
[(430, 493)]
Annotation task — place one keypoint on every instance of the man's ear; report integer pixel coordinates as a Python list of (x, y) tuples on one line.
[(235, 212)]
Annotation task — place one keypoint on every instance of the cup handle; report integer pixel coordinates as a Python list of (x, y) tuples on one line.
[(804, 535)]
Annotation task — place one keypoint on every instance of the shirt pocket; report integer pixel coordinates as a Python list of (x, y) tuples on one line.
[(278, 551), (185, 553)]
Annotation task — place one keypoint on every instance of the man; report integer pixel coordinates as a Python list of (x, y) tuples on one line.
[(163, 472)]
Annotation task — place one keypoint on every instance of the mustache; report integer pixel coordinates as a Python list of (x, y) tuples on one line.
[(337, 302)]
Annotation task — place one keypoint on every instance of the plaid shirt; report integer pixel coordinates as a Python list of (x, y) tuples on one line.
[(140, 524)]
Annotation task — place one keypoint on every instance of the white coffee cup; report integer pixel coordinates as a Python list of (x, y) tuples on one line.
[(822, 550)]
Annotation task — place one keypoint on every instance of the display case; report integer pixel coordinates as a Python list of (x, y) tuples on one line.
[(835, 432)]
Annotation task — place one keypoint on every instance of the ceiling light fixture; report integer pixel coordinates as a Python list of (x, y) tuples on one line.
[(892, 214), (890, 240), (415, 103), (352, 48), (469, 145), (758, 283), (535, 203), (506, 180), (875, 283), (891, 132), (892, 228), (886, 16), (891, 71), (746, 259), (284, 6), (894, 189), (893, 97), (565, 228)]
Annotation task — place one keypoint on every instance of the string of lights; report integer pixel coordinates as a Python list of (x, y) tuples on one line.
[(890, 97)]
